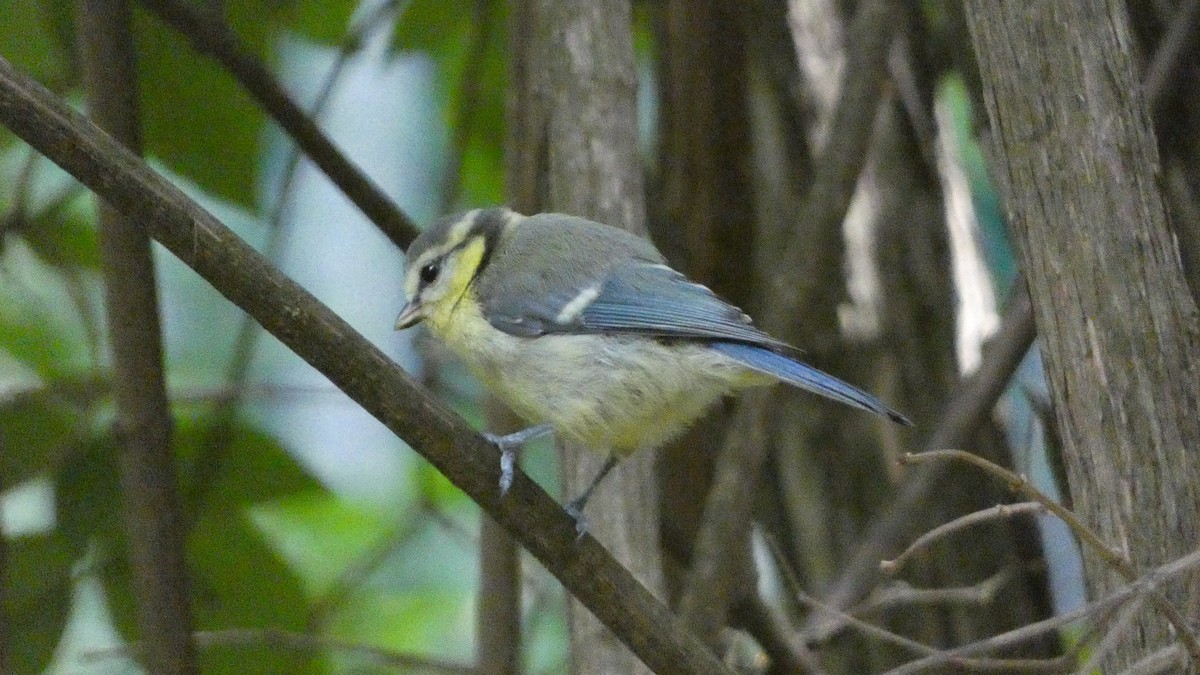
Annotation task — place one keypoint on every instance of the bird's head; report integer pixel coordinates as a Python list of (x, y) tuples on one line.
[(446, 258)]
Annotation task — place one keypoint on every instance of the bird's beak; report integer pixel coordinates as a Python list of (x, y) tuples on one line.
[(410, 315)]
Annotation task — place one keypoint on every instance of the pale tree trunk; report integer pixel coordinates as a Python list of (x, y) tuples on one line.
[(573, 126), (1075, 152)]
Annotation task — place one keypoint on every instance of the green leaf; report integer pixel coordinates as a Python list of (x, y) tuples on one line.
[(320, 535), (435, 623), (38, 38), (66, 236), (239, 579), (36, 597), (35, 433), (323, 21), (88, 503), (196, 118), (33, 335)]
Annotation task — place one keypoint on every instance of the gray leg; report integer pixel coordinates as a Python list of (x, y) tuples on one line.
[(509, 446), (575, 508)]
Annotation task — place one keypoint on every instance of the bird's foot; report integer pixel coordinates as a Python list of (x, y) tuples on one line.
[(575, 510), (510, 445)]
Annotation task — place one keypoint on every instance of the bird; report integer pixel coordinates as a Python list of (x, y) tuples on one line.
[(586, 333)]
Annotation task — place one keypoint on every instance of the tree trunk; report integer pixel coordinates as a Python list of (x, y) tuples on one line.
[(1076, 154), (572, 121)]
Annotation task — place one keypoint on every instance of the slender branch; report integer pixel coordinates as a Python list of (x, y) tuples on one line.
[(779, 640), (1116, 631), (871, 630), (1142, 586), (902, 593), (153, 518), (1166, 659), (357, 367), (998, 512), (211, 37), (1113, 557)]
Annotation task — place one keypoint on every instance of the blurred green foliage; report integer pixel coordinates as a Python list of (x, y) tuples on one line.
[(269, 545)]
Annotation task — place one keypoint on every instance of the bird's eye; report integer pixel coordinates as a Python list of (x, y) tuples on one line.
[(429, 273)]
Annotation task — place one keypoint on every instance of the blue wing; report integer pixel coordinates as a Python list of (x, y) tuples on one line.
[(636, 298), (806, 377)]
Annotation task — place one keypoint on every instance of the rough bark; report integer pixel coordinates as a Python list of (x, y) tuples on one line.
[(153, 516), (1077, 157), (573, 123)]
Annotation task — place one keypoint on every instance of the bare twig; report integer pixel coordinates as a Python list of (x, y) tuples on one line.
[(357, 367), (904, 594), (1166, 659), (1142, 586), (767, 625), (998, 512), (210, 36), (1118, 630), (871, 630), (153, 517), (1114, 558)]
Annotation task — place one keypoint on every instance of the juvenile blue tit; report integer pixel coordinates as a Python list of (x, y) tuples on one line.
[(583, 330)]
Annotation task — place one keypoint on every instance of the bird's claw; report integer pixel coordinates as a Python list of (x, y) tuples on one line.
[(508, 459), (581, 522)]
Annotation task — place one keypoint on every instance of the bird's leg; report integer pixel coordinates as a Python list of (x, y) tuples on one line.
[(510, 445), (575, 507)]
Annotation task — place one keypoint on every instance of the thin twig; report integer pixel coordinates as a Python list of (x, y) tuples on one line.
[(210, 36), (1167, 659), (1114, 558), (904, 594), (1115, 632), (998, 512), (869, 629)]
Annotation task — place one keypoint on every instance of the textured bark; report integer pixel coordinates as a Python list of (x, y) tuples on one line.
[(153, 515), (1120, 331), (573, 124)]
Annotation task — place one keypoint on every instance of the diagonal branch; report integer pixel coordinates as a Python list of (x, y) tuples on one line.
[(357, 367), (212, 37)]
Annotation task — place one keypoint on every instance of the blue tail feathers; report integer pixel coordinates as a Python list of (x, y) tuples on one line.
[(806, 377)]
